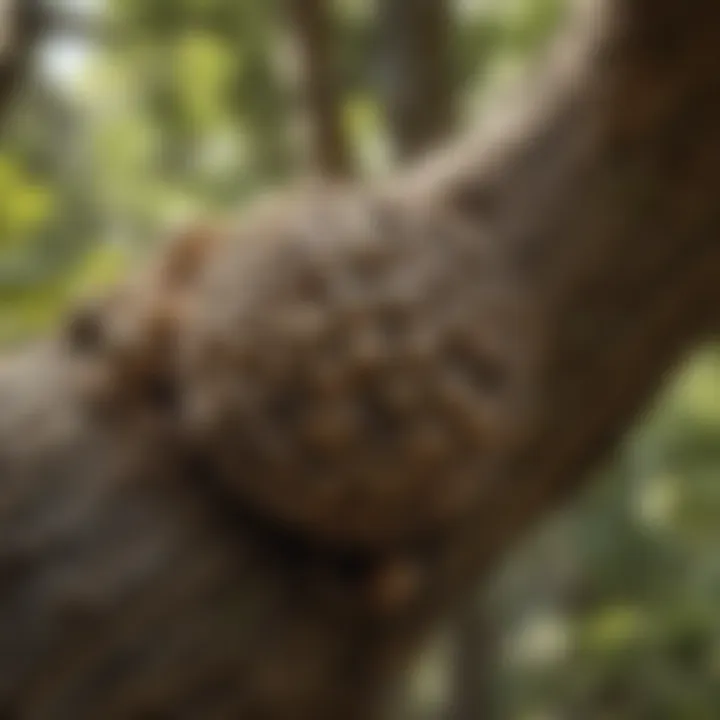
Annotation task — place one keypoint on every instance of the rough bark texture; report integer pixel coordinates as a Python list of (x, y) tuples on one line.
[(205, 532)]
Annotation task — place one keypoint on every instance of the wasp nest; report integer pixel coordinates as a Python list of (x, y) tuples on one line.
[(353, 365)]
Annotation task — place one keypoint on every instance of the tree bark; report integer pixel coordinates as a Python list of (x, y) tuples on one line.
[(153, 570)]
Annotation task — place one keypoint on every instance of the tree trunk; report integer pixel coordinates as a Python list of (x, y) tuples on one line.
[(157, 560)]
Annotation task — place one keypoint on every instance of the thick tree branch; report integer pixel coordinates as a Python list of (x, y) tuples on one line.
[(307, 454)]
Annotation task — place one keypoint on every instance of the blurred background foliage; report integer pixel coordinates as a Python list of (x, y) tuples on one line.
[(143, 112)]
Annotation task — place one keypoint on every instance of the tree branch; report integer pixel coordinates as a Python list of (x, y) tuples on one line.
[(313, 26), (21, 23), (417, 72)]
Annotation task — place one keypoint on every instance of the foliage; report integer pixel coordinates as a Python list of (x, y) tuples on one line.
[(634, 606)]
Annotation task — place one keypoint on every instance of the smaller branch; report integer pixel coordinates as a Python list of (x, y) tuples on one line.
[(314, 32), (419, 91), (475, 663), (21, 23), (84, 26)]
